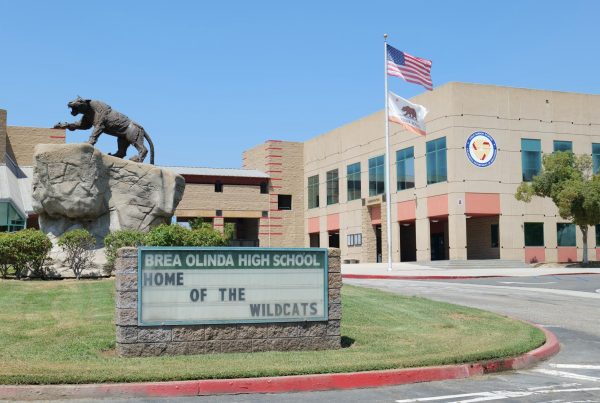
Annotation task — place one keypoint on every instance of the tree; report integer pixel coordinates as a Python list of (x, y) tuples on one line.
[(569, 181), (78, 245)]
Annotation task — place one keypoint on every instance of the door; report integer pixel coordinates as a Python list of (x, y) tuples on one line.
[(437, 247), (378, 243)]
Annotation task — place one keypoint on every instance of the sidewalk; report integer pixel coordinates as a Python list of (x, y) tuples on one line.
[(411, 271)]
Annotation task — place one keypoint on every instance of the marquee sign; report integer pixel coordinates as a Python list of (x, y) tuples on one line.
[(481, 149), (231, 285)]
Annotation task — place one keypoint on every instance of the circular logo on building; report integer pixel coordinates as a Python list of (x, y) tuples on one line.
[(481, 149)]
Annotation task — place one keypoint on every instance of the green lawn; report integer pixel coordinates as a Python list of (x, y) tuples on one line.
[(63, 332)]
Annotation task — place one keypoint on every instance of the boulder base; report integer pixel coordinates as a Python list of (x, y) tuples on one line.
[(76, 186)]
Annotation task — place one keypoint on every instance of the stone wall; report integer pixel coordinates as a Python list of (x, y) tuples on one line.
[(137, 341)]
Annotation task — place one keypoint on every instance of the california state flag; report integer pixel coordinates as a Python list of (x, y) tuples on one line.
[(407, 114)]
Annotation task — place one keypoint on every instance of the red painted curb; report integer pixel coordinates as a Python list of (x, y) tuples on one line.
[(434, 277), (388, 277), (280, 384)]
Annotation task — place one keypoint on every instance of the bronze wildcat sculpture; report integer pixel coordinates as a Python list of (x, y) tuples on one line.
[(105, 120)]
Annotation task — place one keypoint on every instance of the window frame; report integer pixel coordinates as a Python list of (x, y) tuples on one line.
[(332, 178), (561, 229), (405, 161), (525, 237), (280, 205), (558, 143), (313, 186), (528, 151), (377, 172), (596, 158), (436, 156), (353, 191)]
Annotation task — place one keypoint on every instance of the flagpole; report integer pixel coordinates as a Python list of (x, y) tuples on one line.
[(388, 198)]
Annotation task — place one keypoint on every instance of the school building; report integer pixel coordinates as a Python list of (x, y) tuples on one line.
[(452, 191)]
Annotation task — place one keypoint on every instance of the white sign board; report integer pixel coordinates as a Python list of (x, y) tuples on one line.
[(231, 285)]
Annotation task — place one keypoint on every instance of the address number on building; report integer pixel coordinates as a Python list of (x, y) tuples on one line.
[(231, 285)]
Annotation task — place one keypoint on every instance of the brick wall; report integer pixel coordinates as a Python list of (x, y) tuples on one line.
[(284, 162), (22, 140), (233, 198), (137, 341)]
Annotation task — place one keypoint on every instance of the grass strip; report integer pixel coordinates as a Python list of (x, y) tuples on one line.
[(62, 332)]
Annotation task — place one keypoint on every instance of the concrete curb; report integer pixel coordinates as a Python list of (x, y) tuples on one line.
[(440, 277), (281, 384)]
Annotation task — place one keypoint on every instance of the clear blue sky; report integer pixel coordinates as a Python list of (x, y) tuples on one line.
[(210, 79)]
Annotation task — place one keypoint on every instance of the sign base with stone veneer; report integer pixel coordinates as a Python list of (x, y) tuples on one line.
[(136, 341)]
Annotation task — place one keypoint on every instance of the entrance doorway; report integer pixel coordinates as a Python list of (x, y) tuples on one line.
[(378, 243), (438, 230), (408, 242), (483, 237), (334, 239), (245, 231)]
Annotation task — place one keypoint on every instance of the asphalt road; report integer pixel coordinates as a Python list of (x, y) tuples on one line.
[(568, 305)]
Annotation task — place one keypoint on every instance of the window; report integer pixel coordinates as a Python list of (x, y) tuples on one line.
[(284, 202), (565, 234), (531, 158), (10, 219), (264, 187), (354, 239), (596, 157), (313, 191), (534, 233), (436, 161), (218, 187), (314, 240), (495, 236), (376, 176), (334, 239), (333, 187), (598, 235), (405, 168), (353, 176), (219, 213), (560, 145)]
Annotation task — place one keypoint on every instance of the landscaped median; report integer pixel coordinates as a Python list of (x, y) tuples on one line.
[(63, 332)]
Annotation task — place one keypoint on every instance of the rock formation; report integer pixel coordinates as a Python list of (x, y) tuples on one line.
[(76, 186)]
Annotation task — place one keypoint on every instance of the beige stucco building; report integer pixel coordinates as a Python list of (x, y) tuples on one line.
[(444, 206), (452, 191)]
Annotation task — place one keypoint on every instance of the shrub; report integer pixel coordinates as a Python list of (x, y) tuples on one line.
[(229, 231), (5, 255), (198, 223), (120, 239), (167, 235), (26, 252), (206, 237), (78, 246), (176, 235)]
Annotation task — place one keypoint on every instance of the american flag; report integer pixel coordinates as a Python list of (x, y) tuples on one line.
[(410, 68)]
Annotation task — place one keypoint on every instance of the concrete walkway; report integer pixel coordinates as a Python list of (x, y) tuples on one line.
[(422, 271)]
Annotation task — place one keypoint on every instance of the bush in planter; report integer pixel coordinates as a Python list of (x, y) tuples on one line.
[(120, 239), (167, 235), (176, 235), (78, 246), (6, 257), (206, 237), (25, 252)]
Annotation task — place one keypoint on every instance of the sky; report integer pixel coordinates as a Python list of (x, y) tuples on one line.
[(210, 79)]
